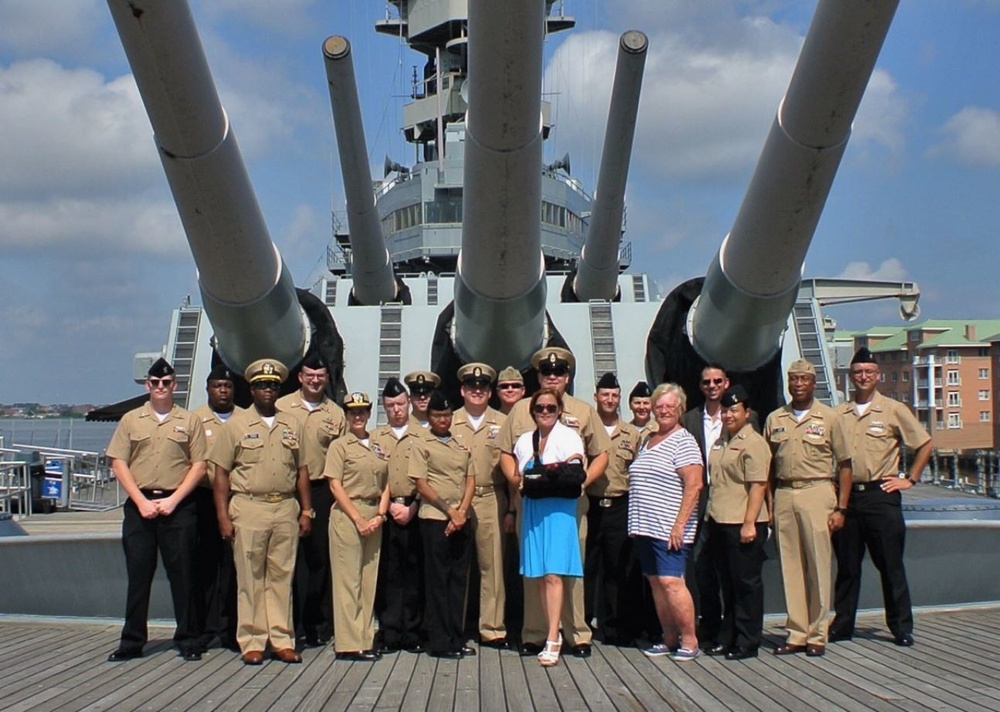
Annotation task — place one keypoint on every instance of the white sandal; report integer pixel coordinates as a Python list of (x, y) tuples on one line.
[(550, 655)]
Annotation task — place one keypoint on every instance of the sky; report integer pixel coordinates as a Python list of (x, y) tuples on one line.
[(93, 257)]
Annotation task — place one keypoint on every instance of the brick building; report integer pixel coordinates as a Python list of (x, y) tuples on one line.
[(944, 370)]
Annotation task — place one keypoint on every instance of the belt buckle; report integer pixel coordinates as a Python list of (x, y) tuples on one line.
[(399, 500), (604, 502), (273, 498), (859, 486)]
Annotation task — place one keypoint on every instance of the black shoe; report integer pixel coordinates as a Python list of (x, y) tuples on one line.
[(123, 654), (839, 636), (582, 650), (496, 643), (738, 653), (359, 656), (393, 647), (715, 649), (446, 654), (191, 655), (467, 652), (415, 648), (530, 649), (314, 641), (905, 640)]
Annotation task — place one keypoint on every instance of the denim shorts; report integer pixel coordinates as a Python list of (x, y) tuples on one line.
[(657, 558)]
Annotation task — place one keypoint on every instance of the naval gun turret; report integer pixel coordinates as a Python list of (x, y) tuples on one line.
[(500, 253)]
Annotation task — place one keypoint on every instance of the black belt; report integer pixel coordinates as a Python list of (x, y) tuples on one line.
[(156, 493), (406, 501), (322, 482), (866, 486), (606, 502)]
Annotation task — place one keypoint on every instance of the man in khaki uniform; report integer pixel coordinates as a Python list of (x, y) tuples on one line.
[(400, 590), (510, 388), (610, 597), (421, 384), (258, 462), (808, 446), (158, 456), (358, 473), (876, 427), (477, 426), (554, 366), (322, 422), (214, 570), (439, 465)]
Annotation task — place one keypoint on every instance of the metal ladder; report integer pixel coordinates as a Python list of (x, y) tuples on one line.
[(182, 359), (812, 346), (389, 350), (602, 339)]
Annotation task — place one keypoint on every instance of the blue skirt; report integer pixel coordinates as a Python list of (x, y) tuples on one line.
[(550, 541)]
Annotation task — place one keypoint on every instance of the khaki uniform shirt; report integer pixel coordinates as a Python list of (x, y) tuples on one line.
[(444, 465), (484, 464), (158, 455), (212, 424), (577, 415), (362, 470), (260, 460), (625, 441), (320, 427), (745, 458), (384, 442), (874, 438), (807, 449)]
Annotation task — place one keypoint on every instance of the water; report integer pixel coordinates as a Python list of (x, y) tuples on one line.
[(69, 433)]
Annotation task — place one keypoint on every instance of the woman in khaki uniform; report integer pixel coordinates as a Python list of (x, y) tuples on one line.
[(737, 520), (359, 479), (439, 464)]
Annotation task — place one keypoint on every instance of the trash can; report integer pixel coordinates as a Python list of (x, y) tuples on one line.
[(41, 501)]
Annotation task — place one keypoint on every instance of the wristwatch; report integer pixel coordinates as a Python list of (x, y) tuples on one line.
[(905, 476), (311, 513), (840, 510)]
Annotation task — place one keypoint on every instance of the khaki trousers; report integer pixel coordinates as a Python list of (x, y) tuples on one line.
[(267, 538), (805, 551), (490, 509), (354, 562), (575, 629)]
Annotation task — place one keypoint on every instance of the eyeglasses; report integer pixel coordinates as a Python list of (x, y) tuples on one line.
[(510, 386), (665, 408), (712, 381), (477, 385), (419, 394), (545, 408), (547, 370), (157, 382), (265, 386)]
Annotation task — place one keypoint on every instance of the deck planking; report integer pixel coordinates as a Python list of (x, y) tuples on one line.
[(53, 665)]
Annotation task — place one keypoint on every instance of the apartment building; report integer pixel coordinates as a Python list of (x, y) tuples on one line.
[(944, 369)]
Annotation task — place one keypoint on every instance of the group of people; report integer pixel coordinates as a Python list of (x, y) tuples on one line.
[(288, 524)]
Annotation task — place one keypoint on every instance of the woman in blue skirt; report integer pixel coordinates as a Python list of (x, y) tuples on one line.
[(549, 542)]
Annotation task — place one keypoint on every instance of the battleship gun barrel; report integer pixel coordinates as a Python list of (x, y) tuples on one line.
[(500, 281), (240, 272), (597, 268), (371, 268), (752, 283)]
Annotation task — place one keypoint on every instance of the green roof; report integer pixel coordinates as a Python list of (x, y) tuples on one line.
[(949, 332)]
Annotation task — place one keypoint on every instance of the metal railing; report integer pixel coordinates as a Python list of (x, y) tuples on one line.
[(57, 477)]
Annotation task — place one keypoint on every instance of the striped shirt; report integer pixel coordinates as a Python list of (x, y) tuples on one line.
[(656, 489)]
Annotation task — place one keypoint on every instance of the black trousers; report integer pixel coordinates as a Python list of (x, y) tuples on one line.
[(514, 588), (214, 575), (399, 595), (174, 538), (312, 585), (739, 570), (703, 579), (446, 574), (612, 584), (874, 521)]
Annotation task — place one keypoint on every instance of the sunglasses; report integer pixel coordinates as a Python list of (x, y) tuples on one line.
[(265, 386), (712, 381), (545, 408), (510, 386), (157, 382), (553, 370)]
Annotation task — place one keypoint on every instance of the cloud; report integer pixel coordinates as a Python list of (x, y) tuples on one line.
[(712, 85), (971, 137), (891, 270), (29, 27)]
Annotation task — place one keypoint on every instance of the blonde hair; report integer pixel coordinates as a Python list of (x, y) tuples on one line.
[(667, 388)]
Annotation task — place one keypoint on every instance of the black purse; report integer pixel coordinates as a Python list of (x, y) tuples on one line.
[(558, 479)]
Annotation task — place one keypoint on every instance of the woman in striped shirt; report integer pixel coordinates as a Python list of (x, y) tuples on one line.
[(664, 481)]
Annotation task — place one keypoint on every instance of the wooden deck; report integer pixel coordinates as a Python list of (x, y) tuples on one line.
[(50, 665)]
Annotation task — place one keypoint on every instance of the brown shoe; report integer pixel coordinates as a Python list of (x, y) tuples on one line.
[(815, 650), (288, 655), (253, 657), (790, 649)]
